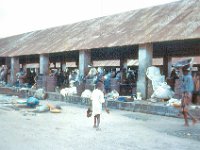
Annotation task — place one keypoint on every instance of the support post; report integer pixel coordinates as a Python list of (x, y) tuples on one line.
[(84, 61), (15, 68), (167, 62), (44, 64), (145, 55), (44, 70)]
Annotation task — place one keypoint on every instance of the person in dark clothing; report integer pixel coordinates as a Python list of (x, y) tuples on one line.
[(107, 82), (173, 78), (60, 79)]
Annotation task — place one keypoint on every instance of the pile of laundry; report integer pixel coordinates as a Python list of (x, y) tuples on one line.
[(69, 91), (160, 87), (33, 102), (86, 93), (113, 95)]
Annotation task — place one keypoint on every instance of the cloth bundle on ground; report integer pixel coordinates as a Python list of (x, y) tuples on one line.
[(48, 107), (163, 91), (113, 95), (160, 87), (40, 94), (86, 93), (122, 99), (32, 102), (54, 108), (42, 108), (68, 91)]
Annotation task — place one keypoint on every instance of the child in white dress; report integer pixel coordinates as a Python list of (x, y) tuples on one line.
[(97, 98)]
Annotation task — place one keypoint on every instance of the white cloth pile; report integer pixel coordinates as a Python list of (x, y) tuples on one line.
[(68, 91), (160, 87), (40, 94), (86, 93), (113, 95)]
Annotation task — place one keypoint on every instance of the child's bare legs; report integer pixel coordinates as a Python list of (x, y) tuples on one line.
[(95, 121), (98, 120), (185, 115), (185, 108), (194, 120), (184, 102)]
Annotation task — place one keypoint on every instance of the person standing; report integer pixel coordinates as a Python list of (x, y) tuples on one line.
[(97, 98), (187, 88), (173, 78), (3, 73), (107, 82)]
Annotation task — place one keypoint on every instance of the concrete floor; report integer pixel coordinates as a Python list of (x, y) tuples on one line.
[(22, 129)]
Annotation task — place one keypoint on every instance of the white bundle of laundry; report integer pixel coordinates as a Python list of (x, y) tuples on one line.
[(160, 87), (68, 91), (86, 93)]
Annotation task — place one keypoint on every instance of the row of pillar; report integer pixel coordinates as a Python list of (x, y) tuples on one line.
[(145, 56)]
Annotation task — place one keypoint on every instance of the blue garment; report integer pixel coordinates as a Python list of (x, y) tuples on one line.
[(187, 83), (99, 78), (32, 102), (107, 82)]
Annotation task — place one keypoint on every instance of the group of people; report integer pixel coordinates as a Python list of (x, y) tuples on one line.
[(105, 76), (102, 81), (26, 77), (187, 88)]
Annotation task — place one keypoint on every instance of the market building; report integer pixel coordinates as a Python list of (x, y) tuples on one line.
[(162, 32)]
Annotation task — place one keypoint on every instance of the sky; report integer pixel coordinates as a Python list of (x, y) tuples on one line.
[(20, 16)]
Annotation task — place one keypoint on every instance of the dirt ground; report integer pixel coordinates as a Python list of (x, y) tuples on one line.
[(22, 129)]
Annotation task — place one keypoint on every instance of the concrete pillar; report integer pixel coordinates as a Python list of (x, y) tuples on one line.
[(15, 67), (145, 55), (167, 62), (44, 64), (44, 70), (84, 61)]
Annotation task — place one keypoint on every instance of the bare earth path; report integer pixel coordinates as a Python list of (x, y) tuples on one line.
[(72, 130)]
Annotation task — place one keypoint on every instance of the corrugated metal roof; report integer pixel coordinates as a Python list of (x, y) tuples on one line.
[(173, 21)]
